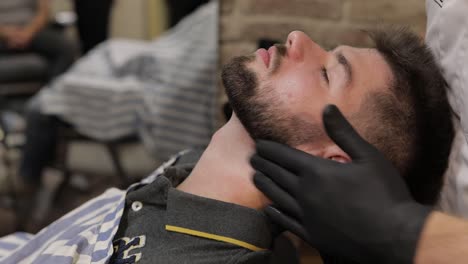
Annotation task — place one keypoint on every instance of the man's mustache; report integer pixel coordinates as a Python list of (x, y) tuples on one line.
[(281, 50)]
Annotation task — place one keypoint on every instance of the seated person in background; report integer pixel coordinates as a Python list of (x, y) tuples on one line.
[(23, 28), (209, 211), (163, 91), (92, 22)]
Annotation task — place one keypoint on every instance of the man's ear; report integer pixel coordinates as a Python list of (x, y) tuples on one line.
[(327, 150), (333, 152)]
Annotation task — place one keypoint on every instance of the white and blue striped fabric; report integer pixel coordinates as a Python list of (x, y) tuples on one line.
[(164, 91), (82, 236)]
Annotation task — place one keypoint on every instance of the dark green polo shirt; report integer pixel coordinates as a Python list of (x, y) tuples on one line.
[(161, 224)]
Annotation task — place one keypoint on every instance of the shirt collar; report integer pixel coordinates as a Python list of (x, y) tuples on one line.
[(200, 216), (213, 219)]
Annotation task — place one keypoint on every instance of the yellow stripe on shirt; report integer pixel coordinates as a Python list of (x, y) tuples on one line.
[(213, 237)]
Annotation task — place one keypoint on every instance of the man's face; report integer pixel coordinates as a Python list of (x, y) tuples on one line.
[(279, 94)]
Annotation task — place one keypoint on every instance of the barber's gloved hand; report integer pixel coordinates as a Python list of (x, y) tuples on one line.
[(361, 210)]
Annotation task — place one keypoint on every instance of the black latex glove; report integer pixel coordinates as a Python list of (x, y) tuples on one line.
[(361, 210)]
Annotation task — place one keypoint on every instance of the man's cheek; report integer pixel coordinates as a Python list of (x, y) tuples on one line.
[(291, 93)]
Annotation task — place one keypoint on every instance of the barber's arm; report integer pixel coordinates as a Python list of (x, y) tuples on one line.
[(361, 210), (444, 240)]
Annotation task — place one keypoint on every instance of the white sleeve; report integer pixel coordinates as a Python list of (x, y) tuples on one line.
[(447, 36)]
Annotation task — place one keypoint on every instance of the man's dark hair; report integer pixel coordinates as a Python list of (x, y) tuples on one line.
[(416, 130)]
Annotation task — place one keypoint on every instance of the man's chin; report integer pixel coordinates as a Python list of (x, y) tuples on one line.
[(239, 81)]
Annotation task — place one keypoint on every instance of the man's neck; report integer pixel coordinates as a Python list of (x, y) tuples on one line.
[(223, 171)]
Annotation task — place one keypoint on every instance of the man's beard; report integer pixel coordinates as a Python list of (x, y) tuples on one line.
[(259, 110), (241, 86)]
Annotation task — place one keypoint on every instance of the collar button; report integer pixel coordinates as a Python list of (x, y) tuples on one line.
[(136, 206)]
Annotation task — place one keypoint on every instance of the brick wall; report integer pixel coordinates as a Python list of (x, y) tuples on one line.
[(328, 22)]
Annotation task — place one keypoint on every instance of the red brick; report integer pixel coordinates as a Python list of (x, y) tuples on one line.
[(234, 49), (226, 6), (326, 35), (409, 12), (326, 9), (229, 30), (276, 31)]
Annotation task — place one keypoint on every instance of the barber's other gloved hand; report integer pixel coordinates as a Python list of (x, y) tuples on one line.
[(360, 210)]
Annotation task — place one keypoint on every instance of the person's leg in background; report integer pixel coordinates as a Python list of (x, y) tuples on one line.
[(56, 48), (93, 22), (41, 129), (178, 9), (39, 150), (3, 48), (40, 146)]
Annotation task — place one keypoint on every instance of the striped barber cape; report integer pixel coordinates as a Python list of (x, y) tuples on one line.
[(82, 236), (164, 91)]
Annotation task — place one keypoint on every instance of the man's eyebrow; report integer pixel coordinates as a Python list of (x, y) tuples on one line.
[(346, 65)]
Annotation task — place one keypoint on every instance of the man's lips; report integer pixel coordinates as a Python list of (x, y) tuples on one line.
[(267, 55), (263, 53)]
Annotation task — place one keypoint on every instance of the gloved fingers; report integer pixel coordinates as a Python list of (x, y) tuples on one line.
[(287, 222), (283, 200), (284, 156), (343, 134), (283, 178)]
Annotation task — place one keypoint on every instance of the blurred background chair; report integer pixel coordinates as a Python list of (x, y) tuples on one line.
[(23, 74), (121, 161), (84, 166), (116, 150)]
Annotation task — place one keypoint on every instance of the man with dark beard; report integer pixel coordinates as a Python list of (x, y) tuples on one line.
[(393, 95), (207, 209)]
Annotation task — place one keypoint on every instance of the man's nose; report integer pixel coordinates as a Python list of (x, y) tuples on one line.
[(299, 44)]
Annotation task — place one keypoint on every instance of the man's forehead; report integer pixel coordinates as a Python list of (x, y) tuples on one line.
[(356, 51), (368, 64)]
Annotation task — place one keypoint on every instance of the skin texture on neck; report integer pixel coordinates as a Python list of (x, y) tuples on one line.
[(223, 172)]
